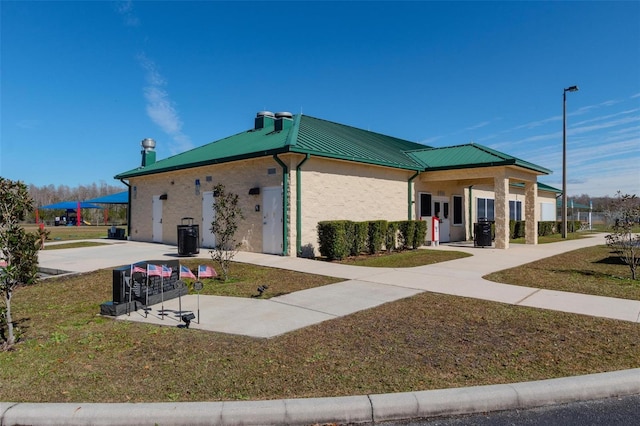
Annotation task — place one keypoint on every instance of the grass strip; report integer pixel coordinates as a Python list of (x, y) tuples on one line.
[(428, 341)]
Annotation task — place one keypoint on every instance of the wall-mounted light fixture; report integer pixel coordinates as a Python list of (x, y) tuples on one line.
[(163, 197), (135, 192), (254, 191), (197, 186)]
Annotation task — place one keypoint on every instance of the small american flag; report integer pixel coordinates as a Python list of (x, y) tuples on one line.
[(137, 268), (186, 272), (166, 271), (206, 271), (154, 270)]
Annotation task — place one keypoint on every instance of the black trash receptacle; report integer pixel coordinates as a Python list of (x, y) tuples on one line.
[(188, 237), (482, 233)]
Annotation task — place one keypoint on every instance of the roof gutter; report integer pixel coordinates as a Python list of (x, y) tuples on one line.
[(471, 231), (128, 207), (410, 196), (285, 204), (299, 206)]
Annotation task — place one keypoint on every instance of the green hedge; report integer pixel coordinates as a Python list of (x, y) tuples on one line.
[(407, 230), (517, 228), (377, 235), (359, 238), (391, 242), (340, 238), (332, 238), (547, 228), (420, 232)]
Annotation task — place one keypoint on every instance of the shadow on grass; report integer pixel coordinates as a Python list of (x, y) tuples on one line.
[(611, 260), (588, 273)]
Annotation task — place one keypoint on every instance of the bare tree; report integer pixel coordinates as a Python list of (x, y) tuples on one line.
[(227, 215), (625, 212)]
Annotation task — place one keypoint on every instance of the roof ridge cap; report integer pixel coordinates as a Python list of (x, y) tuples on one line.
[(292, 136)]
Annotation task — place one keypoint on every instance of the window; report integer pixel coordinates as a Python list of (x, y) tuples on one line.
[(486, 209), (515, 210), (425, 205), (457, 210), (547, 211)]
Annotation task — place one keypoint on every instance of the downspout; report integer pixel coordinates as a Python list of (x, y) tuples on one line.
[(410, 195), (128, 207), (285, 204), (299, 207), (471, 211)]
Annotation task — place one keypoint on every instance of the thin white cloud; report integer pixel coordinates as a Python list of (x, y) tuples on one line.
[(573, 131), (160, 108), (431, 140), (605, 125), (125, 9), (579, 111), (538, 123), (478, 126), (606, 117)]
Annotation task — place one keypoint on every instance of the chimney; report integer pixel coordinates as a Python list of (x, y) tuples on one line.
[(264, 120), (148, 152), (283, 121)]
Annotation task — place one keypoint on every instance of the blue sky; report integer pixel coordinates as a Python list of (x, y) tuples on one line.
[(83, 83)]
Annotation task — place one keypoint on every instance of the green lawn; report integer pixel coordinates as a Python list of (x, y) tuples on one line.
[(69, 353)]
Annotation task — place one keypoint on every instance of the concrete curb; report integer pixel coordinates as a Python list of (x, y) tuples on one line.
[(364, 409)]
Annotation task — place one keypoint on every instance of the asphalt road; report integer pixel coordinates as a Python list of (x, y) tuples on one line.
[(623, 411)]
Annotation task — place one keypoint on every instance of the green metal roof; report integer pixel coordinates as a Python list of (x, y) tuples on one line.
[(469, 156), (333, 140), (322, 138), (541, 187), (250, 144)]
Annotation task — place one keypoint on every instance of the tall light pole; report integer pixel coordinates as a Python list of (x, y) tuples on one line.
[(564, 158)]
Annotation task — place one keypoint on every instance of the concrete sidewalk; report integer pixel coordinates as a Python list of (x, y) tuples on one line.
[(363, 288)]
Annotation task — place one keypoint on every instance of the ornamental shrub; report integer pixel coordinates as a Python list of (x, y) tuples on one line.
[(420, 233), (407, 233), (547, 228), (391, 238), (360, 234), (332, 239), (377, 235)]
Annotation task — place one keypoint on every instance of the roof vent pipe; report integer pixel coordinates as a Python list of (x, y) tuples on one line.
[(148, 144), (148, 152), (263, 119), (283, 121)]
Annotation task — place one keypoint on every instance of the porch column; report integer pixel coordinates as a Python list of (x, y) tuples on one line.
[(531, 212), (501, 206)]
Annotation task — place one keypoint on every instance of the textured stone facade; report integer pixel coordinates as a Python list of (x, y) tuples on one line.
[(337, 190), (182, 200), (329, 190)]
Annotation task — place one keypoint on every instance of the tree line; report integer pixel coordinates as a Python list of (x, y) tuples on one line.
[(51, 194)]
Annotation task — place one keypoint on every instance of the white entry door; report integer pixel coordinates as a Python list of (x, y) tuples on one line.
[(156, 219), (208, 215), (441, 209), (272, 220)]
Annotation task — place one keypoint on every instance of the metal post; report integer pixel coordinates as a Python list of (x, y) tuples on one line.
[(564, 164), (564, 158)]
